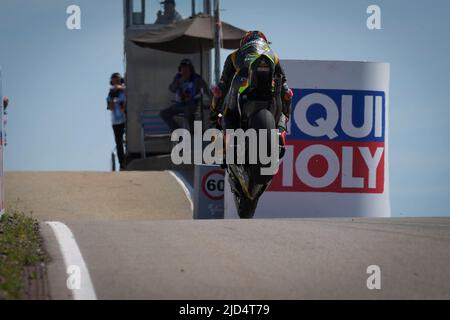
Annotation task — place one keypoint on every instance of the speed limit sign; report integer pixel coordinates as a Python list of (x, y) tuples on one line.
[(209, 187), (213, 185)]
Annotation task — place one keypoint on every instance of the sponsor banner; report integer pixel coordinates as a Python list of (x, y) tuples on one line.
[(336, 162)]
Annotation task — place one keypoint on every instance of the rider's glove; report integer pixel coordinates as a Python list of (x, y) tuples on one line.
[(287, 97), (282, 143), (214, 115), (216, 92)]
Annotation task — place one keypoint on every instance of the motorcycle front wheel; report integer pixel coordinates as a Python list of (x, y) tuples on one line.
[(246, 207)]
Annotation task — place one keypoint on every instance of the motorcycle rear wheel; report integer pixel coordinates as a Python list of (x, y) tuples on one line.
[(262, 119)]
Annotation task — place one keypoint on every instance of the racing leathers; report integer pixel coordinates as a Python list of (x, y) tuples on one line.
[(236, 66)]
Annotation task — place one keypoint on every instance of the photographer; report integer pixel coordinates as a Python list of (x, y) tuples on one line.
[(5, 103), (187, 86), (5, 115), (116, 102), (170, 15)]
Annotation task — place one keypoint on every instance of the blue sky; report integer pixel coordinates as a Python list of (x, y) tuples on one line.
[(57, 79)]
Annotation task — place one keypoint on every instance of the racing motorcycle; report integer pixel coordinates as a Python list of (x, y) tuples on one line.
[(255, 96)]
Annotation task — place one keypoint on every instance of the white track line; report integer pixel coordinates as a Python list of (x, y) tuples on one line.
[(72, 257), (187, 188)]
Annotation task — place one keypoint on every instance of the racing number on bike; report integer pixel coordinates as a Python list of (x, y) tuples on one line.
[(213, 185)]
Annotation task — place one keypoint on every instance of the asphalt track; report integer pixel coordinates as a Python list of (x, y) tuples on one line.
[(159, 252)]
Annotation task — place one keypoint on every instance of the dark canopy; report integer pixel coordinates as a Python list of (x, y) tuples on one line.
[(188, 36)]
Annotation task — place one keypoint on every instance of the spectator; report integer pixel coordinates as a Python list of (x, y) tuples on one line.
[(3, 139), (170, 15), (117, 105), (187, 86), (5, 103)]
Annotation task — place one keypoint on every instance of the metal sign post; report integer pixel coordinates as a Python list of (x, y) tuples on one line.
[(217, 40)]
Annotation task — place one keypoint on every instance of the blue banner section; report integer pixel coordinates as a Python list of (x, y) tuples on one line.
[(338, 115)]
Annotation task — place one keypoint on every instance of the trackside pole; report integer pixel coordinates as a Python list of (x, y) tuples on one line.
[(217, 40)]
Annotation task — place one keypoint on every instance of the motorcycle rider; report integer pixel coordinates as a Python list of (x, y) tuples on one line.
[(236, 63)]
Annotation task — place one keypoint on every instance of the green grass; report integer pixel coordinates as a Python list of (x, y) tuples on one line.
[(20, 247)]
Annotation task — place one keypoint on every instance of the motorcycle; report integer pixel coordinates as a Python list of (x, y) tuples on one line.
[(255, 96)]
